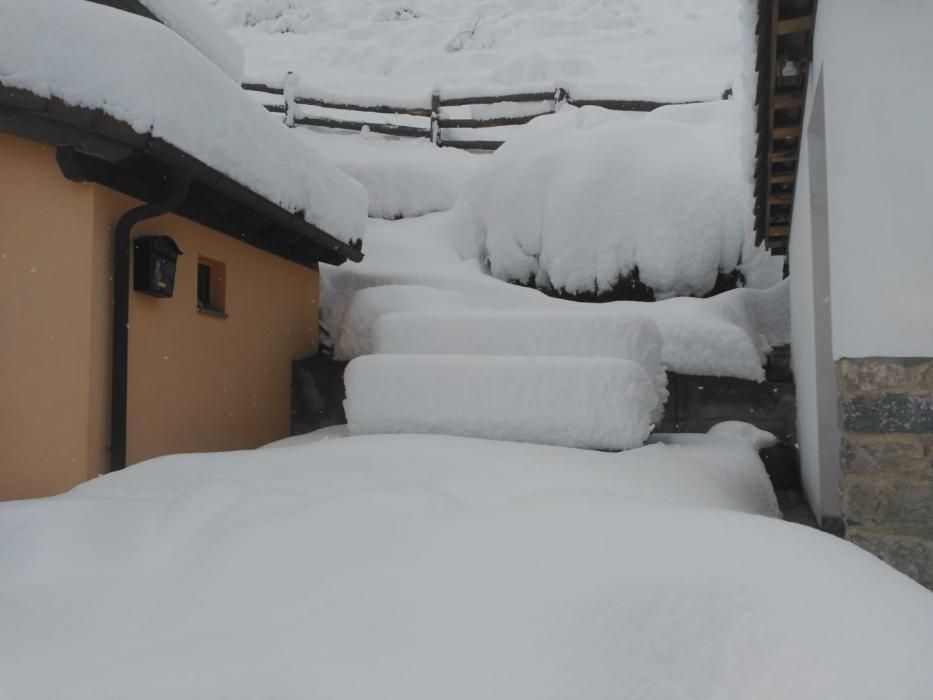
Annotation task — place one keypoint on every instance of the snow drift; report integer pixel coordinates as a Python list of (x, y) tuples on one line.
[(597, 403), (402, 178), (403, 567), (577, 204)]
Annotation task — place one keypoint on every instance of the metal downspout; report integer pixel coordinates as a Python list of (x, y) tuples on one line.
[(121, 308)]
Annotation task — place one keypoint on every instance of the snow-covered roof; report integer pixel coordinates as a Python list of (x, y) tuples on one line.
[(145, 76), (196, 26)]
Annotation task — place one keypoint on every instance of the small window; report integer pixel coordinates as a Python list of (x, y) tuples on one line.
[(211, 287)]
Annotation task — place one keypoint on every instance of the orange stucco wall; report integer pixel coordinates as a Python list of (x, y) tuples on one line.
[(196, 382), (202, 383), (47, 338)]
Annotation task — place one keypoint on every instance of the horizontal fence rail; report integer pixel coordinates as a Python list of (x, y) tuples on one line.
[(432, 110)]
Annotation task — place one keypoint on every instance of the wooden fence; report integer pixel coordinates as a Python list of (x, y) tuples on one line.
[(433, 110)]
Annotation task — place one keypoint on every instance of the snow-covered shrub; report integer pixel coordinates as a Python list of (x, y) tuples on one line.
[(584, 201)]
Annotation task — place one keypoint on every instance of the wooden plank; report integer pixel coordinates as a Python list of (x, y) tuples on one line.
[(629, 105), (389, 129), (781, 199), (783, 178), (493, 99), (486, 123), (260, 87), (779, 232), (789, 100), (381, 109), (472, 145), (795, 25), (765, 205), (786, 132), (781, 156)]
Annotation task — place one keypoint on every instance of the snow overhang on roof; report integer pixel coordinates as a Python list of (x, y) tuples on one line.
[(163, 105), (193, 24)]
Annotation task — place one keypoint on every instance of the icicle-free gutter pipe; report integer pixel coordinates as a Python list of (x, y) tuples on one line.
[(178, 192)]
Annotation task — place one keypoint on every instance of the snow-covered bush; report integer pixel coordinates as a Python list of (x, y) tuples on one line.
[(586, 200)]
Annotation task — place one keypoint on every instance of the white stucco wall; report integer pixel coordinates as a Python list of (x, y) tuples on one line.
[(876, 61)]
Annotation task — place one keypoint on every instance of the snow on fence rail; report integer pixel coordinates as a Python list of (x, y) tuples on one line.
[(432, 108)]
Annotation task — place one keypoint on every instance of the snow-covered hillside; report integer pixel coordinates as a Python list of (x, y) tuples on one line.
[(628, 48)]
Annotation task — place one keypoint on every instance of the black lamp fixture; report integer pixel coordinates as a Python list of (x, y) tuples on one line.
[(154, 260)]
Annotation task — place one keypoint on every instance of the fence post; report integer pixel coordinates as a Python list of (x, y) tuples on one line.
[(289, 86), (561, 97), (435, 117)]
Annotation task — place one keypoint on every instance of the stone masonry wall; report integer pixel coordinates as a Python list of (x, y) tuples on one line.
[(886, 418)]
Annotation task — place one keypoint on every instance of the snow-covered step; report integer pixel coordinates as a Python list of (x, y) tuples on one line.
[(595, 402)]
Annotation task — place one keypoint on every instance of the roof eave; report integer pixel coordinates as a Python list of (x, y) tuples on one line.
[(98, 135)]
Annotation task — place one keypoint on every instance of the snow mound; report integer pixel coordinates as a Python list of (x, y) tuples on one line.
[(396, 567), (194, 24), (402, 178), (355, 332), (165, 87), (576, 208), (584, 333), (595, 403), (684, 469), (744, 432)]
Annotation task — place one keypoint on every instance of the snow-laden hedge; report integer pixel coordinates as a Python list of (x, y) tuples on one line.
[(585, 199)]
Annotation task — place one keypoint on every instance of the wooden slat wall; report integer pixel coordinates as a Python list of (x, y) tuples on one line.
[(785, 38)]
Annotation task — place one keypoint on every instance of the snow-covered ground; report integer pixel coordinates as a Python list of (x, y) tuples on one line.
[(436, 567)]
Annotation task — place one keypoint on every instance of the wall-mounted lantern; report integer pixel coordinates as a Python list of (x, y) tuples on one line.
[(154, 259)]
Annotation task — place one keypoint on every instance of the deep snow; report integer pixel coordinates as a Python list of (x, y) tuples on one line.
[(424, 567), (601, 403), (193, 23)]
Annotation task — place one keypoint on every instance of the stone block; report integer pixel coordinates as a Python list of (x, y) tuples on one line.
[(910, 554), (868, 375), (887, 501), (887, 413), (883, 453)]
